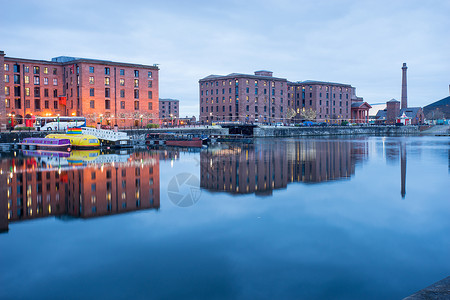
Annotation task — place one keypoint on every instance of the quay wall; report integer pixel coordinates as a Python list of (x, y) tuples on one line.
[(139, 134), (334, 130)]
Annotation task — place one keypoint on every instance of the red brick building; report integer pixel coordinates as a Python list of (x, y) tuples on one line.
[(331, 102), (243, 98), (103, 91), (169, 111), (263, 98)]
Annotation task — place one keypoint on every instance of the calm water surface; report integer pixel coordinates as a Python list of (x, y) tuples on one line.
[(362, 218)]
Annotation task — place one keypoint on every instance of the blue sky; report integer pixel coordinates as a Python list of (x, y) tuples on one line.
[(362, 43)]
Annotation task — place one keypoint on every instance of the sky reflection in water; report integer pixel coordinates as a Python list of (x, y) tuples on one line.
[(306, 218)]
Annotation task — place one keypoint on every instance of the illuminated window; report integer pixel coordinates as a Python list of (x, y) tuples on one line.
[(27, 79), (106, 80), (91, 79), (122, 82), (136, 83), (6, 67), (6, 78), (36, 70), (45, 70)]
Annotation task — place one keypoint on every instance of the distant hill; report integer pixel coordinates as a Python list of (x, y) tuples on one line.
[(442, 105)]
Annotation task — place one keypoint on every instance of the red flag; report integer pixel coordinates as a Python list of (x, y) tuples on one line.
[(62, 100)]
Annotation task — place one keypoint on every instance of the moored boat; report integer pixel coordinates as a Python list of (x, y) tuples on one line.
[(177, 140), (46, 143), (78, 141)]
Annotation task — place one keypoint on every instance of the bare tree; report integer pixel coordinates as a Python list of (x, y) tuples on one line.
[(290, 114), (308, 114)]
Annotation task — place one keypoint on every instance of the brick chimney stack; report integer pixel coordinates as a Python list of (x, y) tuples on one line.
[(404, 87)]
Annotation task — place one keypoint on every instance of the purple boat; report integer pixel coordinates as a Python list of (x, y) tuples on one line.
[(46, 143)]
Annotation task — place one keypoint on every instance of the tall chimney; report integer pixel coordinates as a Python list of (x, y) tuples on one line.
[(404, 87)]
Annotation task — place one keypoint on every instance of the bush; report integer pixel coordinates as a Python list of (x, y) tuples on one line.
[(151, 125), (344, 123), (24, 128)]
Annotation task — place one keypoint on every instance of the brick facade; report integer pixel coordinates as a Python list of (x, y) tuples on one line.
[(169, 110), (2, 92), (330, 101), (243, 98), (102, 91), (262, 98)]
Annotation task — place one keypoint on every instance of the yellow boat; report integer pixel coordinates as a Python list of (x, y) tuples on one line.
[(78, 141)]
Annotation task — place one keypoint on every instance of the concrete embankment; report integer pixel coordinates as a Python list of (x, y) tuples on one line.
[(333, 130), (262, 131)]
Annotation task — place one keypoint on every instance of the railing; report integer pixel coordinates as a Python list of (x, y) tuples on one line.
[(104, 134)]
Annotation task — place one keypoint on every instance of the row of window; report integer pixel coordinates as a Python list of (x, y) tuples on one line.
[(236, 82), (121, 93), (121, 72), (36, 80), (36, 69), (341, 89), (237, 100), (37, 92), (247, 90), (247, 109), (37, 104), (122, 104), (121, 82)]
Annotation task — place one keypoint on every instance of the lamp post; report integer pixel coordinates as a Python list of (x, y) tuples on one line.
[(141, 119), (58, 122)]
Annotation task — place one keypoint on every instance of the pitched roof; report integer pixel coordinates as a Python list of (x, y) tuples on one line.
[(393, 100), (321, 83), (410, 112), (240, 75), (360, 103), (381, 114), (442, 105)]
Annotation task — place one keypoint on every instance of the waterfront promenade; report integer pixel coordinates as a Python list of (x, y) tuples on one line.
[(258, 131)]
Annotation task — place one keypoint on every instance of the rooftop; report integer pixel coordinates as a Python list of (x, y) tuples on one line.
[(241, 75), (321, 83), (65, 60)]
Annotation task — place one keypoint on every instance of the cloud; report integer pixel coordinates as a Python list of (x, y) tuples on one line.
[(362, 43)]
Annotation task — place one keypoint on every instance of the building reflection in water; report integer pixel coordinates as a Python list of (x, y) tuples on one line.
[(260, 168), (84, 184)]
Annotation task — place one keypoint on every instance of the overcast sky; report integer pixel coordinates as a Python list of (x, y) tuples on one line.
[(362, 43)]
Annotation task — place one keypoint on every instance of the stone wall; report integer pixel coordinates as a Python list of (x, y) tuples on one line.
[(333, 130)]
